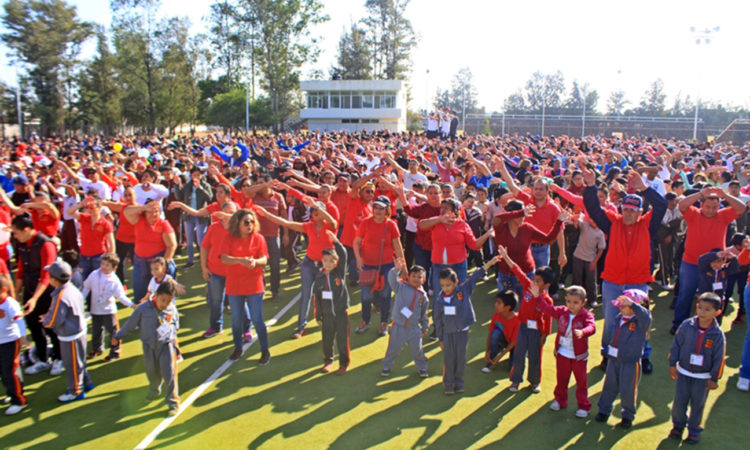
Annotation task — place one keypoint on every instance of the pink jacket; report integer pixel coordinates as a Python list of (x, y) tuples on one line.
[(583, 321)]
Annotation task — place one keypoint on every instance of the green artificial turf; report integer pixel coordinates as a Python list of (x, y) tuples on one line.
[(291, 404)]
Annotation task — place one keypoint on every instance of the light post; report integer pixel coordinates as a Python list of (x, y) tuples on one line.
[(704, 36), (463, 114)]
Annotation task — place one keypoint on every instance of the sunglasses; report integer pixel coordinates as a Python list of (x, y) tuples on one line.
[(368, 191), (247, 222), (378, 207)]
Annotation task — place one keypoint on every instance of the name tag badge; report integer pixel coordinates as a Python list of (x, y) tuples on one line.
[(718, 286), (612, 351), (407, 312), (163, 331), (327, 295), (450, 310), (531, 325), (566, 341), (696, 360)]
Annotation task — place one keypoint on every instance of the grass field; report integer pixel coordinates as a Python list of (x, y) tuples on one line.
[(290, 404)]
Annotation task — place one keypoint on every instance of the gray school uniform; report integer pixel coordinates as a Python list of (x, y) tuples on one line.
[(66, 318), (331, 298), (624, 367), (699, 358), (158, 335), (452, 321), (409, 320)]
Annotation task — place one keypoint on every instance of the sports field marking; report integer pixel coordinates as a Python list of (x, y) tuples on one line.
[(203, 386)]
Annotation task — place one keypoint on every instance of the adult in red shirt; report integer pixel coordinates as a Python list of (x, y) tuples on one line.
[(514, 232), (340, 197), (318, 240), (706, 230), (223, 195), (244, 254), (543, 218), (35, 251), (274, 202), (423, 240), (97, 233), (154, 237), (450, 236), (358, 209), (44, 214), (376, 242), (125, 234)]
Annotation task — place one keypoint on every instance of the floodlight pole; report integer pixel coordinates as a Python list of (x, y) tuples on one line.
[(704, 36)]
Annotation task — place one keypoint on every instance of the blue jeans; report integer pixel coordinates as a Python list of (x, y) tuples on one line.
[(351, 265), (142, 274), (194, 232), (689, 278), (89, 264), (308, 270), (540, 253), (610, 291), (216, 284), (459, 268), (239, 304), (274, 262), (745, 362), (509, 281), (383, 296), (422, 258)]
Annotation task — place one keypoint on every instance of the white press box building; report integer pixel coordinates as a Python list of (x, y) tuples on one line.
[(354, 105)]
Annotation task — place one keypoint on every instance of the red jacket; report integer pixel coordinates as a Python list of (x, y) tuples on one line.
[(530, 309), (583, 321), (629, 256)]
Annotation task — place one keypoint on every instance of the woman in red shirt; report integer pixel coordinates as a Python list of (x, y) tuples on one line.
[(516, 234), (125, 234), (376, 242), (318, 240), (450, 237), (96, 232), (154, 237), (244, 253)]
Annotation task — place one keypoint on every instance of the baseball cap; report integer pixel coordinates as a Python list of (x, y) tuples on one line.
[(20, 179), (634, 295), (383, 201), (59, 270), (632, 201)]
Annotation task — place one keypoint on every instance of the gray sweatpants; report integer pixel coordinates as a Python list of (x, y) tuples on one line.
[(73, 354), (528, 342), (160, 362), (398, 337), (455, 346), (621, 378), (99, 324), (336, 328), (693, 391)]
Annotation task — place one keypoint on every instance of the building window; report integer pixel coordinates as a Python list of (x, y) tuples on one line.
[(367, 101), (335, 100), (346, 99), (370, 121), (350, 121), (356, 100)]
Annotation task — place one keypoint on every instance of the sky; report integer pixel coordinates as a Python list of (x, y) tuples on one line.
[(608, 44)]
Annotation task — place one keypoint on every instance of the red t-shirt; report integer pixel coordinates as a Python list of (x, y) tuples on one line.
[(705, 234), (509, 327), (274, 204), (45, 222), (94, 235), (341, 199), (317, 241), (449, 243), (240, 279), (213, 240), (4, 219), (371, 233), (333, 211), (544, 217), (212, 208), (356, 211), (3, 268), (149, 238), (125, 230)]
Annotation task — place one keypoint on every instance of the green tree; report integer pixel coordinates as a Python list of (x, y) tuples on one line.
[(99, 94), (354, 58), (228, 110), (177, 94), (545, 91), (283, 44), (616, 103), (228, 40), (653, 100), (515, 103), (45, 35), (462, 93), (580, 95), (391, 38)]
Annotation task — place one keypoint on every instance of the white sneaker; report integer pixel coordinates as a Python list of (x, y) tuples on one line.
[(69, 397), (743, 384), (554, 406), (582, 413), (14, 409), (57, 367), (486, 369), (6, 400), (37, 367)]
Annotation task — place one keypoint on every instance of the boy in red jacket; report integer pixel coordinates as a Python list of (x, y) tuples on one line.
[(535, 325), (574, 326)]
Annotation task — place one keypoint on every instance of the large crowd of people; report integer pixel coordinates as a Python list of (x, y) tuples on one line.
[(556, 220)]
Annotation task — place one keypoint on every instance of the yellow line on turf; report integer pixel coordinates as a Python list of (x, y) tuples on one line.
[(203, 386)]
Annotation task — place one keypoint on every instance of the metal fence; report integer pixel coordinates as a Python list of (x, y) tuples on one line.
[(536, 124)]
